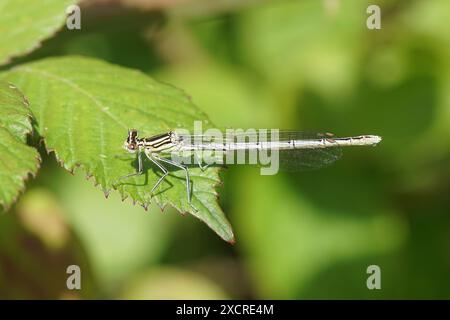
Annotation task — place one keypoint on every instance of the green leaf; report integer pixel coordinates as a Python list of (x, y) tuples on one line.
[(84, 108), (17, 159), (24, 24)]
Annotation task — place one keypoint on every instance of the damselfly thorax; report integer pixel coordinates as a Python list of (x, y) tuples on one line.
[(157, 143)]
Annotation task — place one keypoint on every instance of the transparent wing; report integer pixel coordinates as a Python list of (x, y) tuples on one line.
[(289, 160), (255, 135), (307, 159)]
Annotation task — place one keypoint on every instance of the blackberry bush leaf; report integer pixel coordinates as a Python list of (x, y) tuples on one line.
[(84, 108), (17, 160), (24, 24)]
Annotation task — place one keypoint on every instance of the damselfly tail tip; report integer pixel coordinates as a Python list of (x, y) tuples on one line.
[(374, 139)]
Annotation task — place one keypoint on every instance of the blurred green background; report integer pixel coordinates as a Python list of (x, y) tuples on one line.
[(301, 64)]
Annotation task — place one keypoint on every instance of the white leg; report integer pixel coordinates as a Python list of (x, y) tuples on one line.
[(139, 170), (199, 162), (188, 185), (164, 170)]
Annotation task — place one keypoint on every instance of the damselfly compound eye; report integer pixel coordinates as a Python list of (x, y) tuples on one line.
[(132, 136)]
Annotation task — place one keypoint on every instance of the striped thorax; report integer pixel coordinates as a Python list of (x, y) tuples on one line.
[(157, 143)]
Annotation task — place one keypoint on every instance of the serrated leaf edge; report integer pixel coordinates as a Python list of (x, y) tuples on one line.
[(6, 206)]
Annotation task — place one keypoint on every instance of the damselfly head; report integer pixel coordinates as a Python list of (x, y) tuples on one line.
[(131, 143)]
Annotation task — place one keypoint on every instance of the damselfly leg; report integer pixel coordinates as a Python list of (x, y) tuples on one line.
[(139, 170), (199, 162), (157, 161), (164, 170)]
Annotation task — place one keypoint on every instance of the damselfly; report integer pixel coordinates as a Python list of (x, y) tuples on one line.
[(297, 150)]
